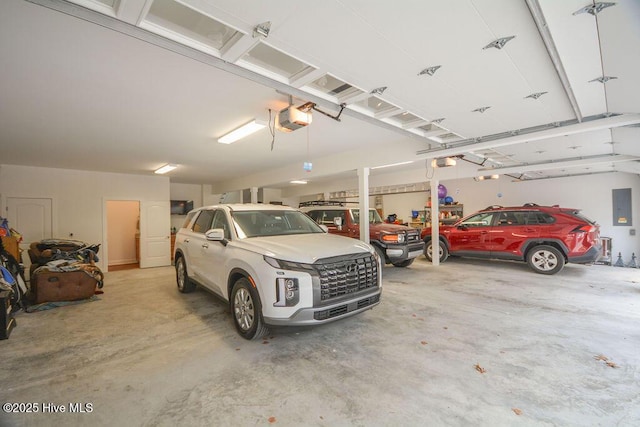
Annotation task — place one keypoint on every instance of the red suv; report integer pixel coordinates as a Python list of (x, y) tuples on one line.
[(546, 237), (395, 244)]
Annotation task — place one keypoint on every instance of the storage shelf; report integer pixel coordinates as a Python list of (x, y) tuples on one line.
[(452, 214)]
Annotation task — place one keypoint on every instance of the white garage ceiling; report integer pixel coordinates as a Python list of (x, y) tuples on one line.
[(130, 85)]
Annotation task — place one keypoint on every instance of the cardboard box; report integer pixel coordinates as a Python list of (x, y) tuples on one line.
[(10, 244)]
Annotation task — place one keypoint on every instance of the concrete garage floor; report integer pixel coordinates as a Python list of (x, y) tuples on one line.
[(467, 343)]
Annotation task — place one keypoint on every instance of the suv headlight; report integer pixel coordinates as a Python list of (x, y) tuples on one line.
[(393, 238), (287, 292), (272, 262)]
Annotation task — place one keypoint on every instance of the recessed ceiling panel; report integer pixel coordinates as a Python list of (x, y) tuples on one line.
[(375, 105), (189, 23), (268, 58), (405, 117), (335, 87)]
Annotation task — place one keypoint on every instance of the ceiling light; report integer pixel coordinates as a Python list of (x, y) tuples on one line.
[(430, 71), (164, 169), (392, 164), (378, 91), (244, 130), (603, 79), (443, 162), (262, 30), (297, 181), (438, 121), (486, 177), (535, 95), (481, 109), (499, 43), (594, 9)]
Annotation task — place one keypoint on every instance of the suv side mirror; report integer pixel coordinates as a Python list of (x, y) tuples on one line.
[(216, 235), (324, 228)]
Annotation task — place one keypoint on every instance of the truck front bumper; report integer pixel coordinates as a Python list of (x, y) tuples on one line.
[(328, 313), (399, 253)]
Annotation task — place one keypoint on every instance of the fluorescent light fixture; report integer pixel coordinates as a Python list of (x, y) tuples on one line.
[(392, 164), (244, 130), (165, 169), (297, 181)]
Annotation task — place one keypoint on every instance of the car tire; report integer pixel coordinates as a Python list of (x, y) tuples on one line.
[(405, 263), (428, 251), (246, 310), (185, 285), (545, 259)]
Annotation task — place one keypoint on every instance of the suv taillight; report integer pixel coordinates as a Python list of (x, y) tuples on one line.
[(584, 229)]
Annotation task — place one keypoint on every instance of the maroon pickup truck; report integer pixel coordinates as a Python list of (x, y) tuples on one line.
[(396, 244)]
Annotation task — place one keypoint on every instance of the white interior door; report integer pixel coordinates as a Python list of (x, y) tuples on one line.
[(155, 234), (31, 218)]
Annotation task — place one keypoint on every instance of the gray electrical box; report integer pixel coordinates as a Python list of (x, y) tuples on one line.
[(622, 207)]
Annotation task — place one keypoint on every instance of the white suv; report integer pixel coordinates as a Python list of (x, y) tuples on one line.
[(275, 266)]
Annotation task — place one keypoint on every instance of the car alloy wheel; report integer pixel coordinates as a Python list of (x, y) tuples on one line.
[(185, 285), (443, 254), (545, 259), (243, 309), (180, 274), (247, 310)]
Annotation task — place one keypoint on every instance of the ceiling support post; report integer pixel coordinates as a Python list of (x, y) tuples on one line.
[(435, 222), (363, 191)]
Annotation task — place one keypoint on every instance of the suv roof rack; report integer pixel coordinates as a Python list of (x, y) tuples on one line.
[(492, 207), (323, 203)]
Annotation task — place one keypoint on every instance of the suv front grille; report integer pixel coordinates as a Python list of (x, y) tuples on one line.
[(344, 275), (413, 236)]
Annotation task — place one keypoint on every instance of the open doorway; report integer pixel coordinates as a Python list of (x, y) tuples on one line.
[(123, 234)]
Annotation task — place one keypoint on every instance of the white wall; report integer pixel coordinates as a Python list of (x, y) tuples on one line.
[(79, 197), (402, 204)]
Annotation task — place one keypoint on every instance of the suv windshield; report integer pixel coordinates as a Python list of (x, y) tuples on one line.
[(272, 223), (374, 217)]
